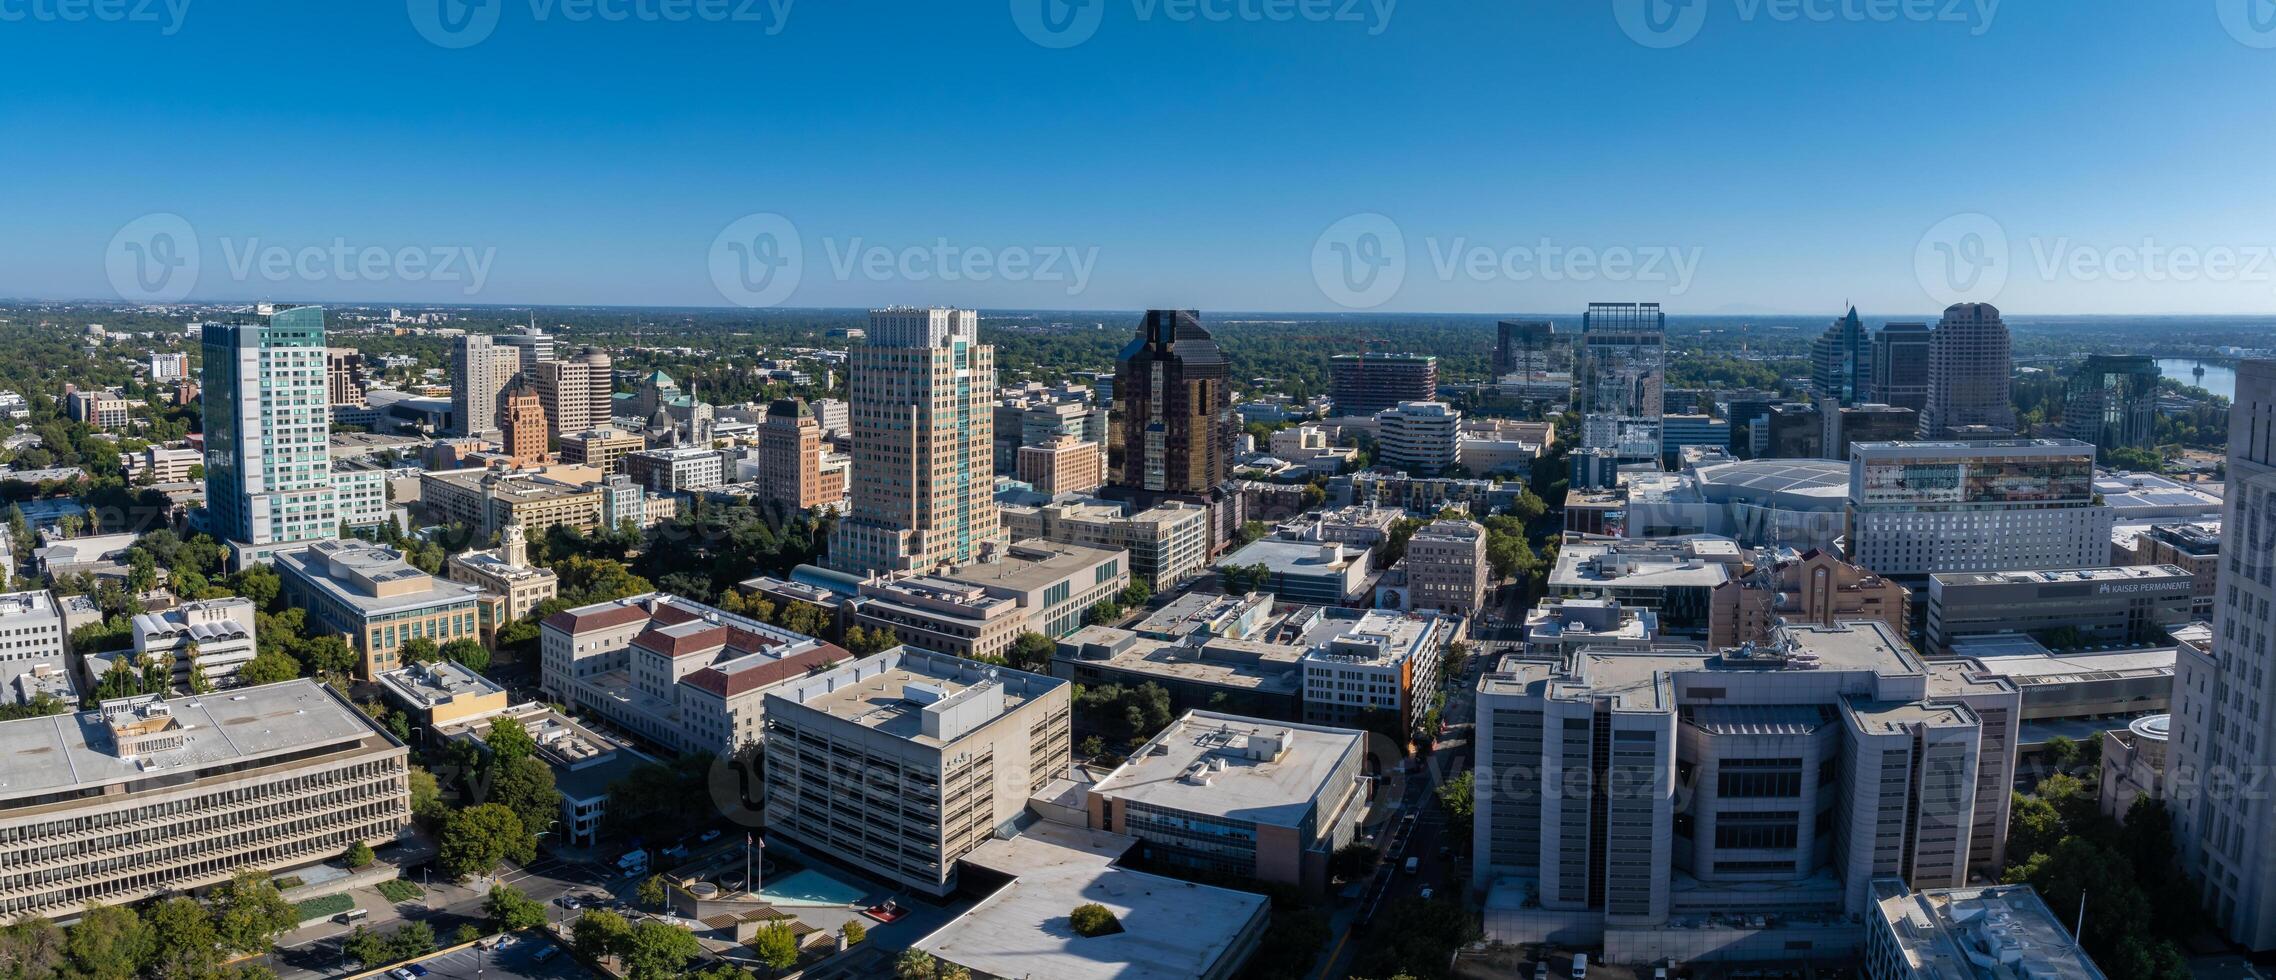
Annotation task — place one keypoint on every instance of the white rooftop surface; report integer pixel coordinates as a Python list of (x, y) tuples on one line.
[(2143, 491), (1170, 928), (2067, 668), (874, 692), (74, 751), (1276, 792), (2006, 925), (2113, 573)]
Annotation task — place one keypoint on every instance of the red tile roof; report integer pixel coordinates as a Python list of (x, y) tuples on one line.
[(683, 643), (575, 621), (774, 672)]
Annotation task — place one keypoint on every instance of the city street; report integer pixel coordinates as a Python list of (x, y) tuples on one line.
[(314, 951)]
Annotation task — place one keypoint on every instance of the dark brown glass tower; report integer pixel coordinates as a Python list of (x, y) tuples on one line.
[(1174, 411)]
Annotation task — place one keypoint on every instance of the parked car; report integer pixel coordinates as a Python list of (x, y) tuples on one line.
[(1413, 864)]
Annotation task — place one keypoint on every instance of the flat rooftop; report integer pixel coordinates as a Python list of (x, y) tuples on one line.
[(892, 693), (1939, 931), (2115, 573), (1255, 665), (2028, 669), (1171, 929), (1238, 768), (443, 681), (1285, 557), (73, 752), (1030, 565), (2128, 492), (1195, 610)]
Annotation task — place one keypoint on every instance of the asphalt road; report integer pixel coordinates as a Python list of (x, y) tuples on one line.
[(314, 951)]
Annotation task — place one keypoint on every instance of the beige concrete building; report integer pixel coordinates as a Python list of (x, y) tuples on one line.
[(932, 613), (1813, 588), (1168, 543), (1446, 567), (1055, 584), (146, 797), (604, 448), (488, 500), (442, 693), (1066, 464), (923, 416), (505, 571), (577, 391), (378, 600), (1258, 799), (906, 761)]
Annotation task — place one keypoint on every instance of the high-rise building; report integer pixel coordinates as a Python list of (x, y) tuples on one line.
[(521, 421), (268, 423), (1361, 385), (1174, 406), (922, 391), (1919, 508), (577, 391), (1623, 370), (1841, 361), (1422, 438), (531, 347), (790, 457), (344, 377), (1638, 785), (479, 373), (1970, 373), (2112, 401), (2223, 696), (1447, 568), (1900, 365), (1528, 348)]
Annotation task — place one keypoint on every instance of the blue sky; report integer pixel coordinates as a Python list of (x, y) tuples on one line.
[(1772, 163)]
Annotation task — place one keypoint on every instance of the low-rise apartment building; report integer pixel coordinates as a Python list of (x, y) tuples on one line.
[(1385, 666), (906, 761), (213, 636), (146, 797)]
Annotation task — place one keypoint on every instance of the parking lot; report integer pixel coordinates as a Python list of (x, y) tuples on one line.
[(524, 958)]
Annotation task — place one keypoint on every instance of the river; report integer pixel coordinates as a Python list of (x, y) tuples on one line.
[(2220, 379)]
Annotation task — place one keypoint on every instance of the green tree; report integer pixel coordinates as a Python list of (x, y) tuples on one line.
[(478, 839), (410, 940), (33, 949), (776, 945), (1353, 861), (426, 796), (466, 932), (599, 933), (183, 938), (2033, 827), (655, 951), (249, 913), (651, 892), (258, 583), (330, 654), (198, 682), (526, 786), (508, 740), (358, 855), (110, 942), (2062, 753), (367, 947), (157, 672), (915, 964), (268, 667), (468, 653), (511, 909), (853, 931), (420, 650), (1093, 919), (1032, 651), (120, 681), (1457, 795)]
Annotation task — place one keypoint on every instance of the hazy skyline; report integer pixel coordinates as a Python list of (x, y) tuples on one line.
[(1375, 156)]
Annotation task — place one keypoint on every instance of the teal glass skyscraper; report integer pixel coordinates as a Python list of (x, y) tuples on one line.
[(268, 421)]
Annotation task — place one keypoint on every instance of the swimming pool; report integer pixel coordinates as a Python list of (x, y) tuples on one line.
[(811, 887)]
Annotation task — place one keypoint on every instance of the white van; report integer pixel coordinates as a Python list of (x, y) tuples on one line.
[(1413, 865), (350, 915), (1580, 966)]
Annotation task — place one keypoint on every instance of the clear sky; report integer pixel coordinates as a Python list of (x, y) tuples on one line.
[(1789, 156)]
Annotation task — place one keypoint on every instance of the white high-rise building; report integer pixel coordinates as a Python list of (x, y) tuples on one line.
[(268, 426), (2224, 697), (922, 391), (1423, 438), (1919, 508)]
